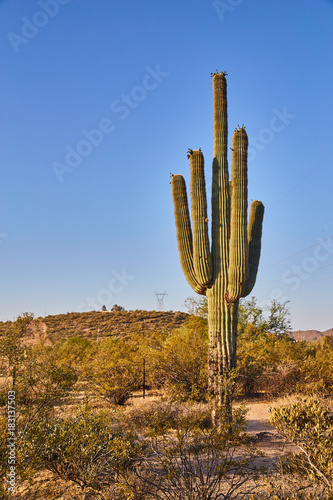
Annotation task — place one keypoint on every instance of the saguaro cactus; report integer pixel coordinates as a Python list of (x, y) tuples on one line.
[(227, 270)]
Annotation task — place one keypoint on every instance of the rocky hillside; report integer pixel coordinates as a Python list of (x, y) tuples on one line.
[(100, 324)]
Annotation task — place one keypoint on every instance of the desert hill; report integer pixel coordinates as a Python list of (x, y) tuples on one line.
[(100, 324)]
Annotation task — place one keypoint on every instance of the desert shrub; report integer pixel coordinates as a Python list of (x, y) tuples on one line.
[(252, 358), (88, 449), (197, 306), (308, 423), (285, 378), (11, 348), (180, 366), (317, 367), (40, 384), (115, 371), (75, 350), (269, 363), (115, 382), (274, 318), (158, 417), (41, 381), (196, 462), (288, 487)]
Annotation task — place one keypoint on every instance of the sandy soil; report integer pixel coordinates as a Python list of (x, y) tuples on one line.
[(267, 437)]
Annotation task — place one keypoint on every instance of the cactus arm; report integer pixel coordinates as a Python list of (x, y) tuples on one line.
[(254, 238), (202, 260), (238, 243), (220, 116), (184, 232)]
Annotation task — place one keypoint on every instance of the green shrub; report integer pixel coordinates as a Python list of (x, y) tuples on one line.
[(115, 371), (158, 417), (41, 380), (308, 423), (317, 368), (180, 366), (88, 449)]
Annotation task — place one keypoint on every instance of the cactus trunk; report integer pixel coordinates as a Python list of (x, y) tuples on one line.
[(228, 270)]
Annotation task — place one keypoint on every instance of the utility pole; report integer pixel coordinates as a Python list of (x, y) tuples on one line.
[(160, 297)]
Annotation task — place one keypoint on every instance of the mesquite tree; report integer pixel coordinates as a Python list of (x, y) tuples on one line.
[(226, 270)]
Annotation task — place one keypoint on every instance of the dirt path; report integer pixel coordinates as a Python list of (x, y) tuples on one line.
[(258, 418), (267, 437)]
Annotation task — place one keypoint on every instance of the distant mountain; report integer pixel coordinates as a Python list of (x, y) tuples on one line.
[(311, 335)]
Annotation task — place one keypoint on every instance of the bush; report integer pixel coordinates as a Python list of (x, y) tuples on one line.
[(286, 378), (269, 363), (317, 368), (88, 449), (308, 423), (181, 364), (75, 351), (115, 371), (41, 380), (196, 462), (158, 417), (155, 418)]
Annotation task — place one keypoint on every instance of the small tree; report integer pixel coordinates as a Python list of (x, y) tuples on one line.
[(117, 308), (279, 318), (11, 347), (197, 306)]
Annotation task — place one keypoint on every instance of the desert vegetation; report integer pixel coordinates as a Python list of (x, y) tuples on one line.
[(84, 429)]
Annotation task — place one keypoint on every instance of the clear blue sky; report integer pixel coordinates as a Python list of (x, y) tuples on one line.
[(100, 101)]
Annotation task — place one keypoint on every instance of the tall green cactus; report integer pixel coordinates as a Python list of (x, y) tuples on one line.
[(227, 271)]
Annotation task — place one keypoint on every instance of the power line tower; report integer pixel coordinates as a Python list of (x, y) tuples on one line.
[(160, 297)]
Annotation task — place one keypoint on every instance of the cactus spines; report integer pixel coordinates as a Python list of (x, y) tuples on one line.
[(184, 233), (254, 238), (227, 271), (202, 261), (238, 244)]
